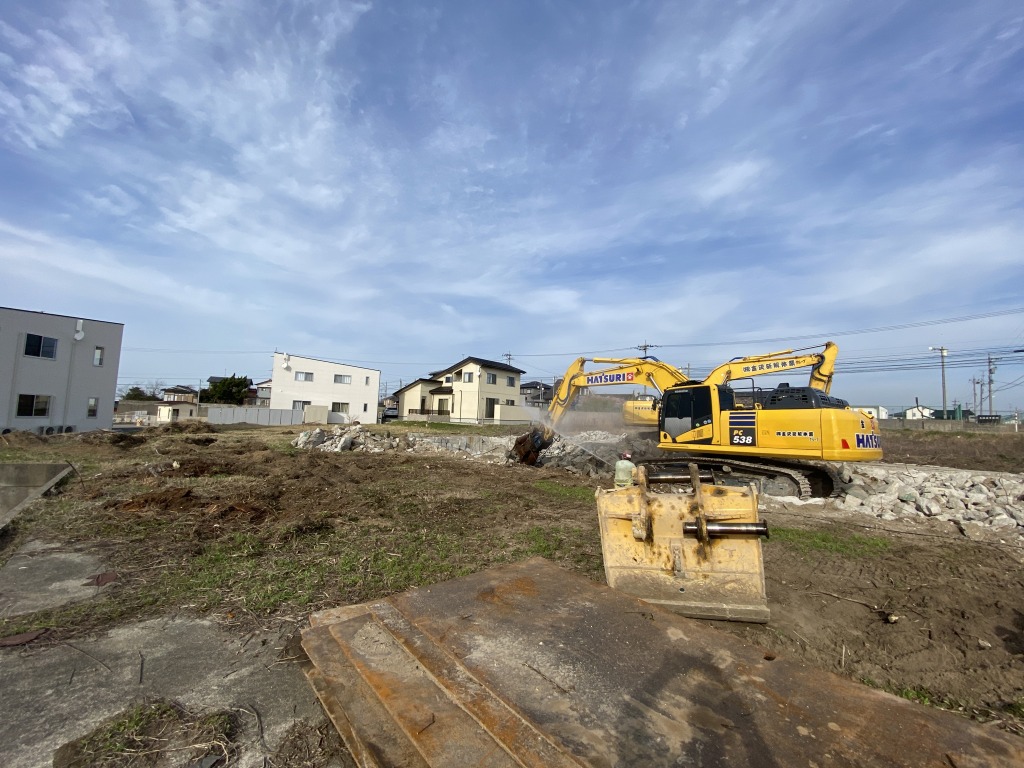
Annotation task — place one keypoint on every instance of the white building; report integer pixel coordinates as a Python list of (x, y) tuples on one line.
[(916, 413), (878, 411), (178, 410), (300, 382), (58, 373)]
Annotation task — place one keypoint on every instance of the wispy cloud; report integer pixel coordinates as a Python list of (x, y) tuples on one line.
[(398, 182)]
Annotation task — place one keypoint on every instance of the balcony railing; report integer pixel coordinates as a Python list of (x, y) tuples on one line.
[(428, 412)]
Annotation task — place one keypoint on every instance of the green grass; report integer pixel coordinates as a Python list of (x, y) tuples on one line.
[(575, 492), (447, 427), (1015, 708), (581, 547), (928, 698), (847, 545), (140, 733)]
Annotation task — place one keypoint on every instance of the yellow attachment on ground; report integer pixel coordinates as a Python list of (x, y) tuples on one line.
[(696, 552)]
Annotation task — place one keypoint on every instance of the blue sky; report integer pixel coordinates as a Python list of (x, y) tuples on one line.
[(402, 184)]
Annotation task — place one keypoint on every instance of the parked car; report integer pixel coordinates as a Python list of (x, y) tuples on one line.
[(390, 414)]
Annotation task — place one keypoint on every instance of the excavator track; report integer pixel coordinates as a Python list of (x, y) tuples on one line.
[(775, 478)]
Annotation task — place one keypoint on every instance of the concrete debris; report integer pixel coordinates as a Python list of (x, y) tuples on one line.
[(975, 503), (355, 437), (971, 501)]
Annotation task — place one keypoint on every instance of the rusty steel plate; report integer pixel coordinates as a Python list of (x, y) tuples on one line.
[(532, 665)]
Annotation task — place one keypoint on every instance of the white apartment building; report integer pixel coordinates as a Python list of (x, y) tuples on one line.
[(299, 382), (58, 373)]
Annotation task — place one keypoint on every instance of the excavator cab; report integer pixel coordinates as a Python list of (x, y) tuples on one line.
[(688, 412), (786, 423)]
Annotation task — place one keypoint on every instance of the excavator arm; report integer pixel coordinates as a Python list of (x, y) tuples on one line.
[(822, 365), (645, 371)]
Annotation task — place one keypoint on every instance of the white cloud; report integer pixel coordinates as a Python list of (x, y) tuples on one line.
[(731, 180), (345, 178)]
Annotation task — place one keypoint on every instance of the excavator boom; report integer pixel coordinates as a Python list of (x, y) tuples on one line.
[(822, 365), (645, 371)]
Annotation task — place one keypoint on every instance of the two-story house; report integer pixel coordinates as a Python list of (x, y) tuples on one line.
[(58, 373), (536, 394), (301, 383), (262, 399), (473, 390), (180, 394)]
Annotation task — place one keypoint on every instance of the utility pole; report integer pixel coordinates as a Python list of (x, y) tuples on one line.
[(645, 346), (991, 373), (974, 390), (942, 357), (508, 357)]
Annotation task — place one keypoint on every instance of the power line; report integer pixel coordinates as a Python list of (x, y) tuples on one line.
[(787, 339)]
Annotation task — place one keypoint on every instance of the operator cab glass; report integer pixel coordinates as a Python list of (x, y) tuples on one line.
[(686, 409)]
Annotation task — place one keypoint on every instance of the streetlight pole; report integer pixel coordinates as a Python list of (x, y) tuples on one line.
[(942, 357)]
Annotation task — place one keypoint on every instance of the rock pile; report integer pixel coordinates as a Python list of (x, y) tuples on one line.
[(355, 437), (973, 501), (966, 498)]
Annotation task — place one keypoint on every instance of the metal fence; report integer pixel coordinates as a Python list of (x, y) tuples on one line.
[(938, 425), (267, 417)]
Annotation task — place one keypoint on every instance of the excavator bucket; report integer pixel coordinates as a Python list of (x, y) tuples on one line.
[(697, 552)]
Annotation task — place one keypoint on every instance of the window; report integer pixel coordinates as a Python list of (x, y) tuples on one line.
[(510, 402), (339, 407), (40, 346), (468, 378), (303, 376), (298, 405), (367, 382), (492, 378), (365, 407), (33, 405), (447, 379), (342, 378), (510, 381), (93, 407), (97, 357)]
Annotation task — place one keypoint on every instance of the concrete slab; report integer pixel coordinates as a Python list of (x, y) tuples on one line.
[(21, 484), (54, 695), (44, 575)]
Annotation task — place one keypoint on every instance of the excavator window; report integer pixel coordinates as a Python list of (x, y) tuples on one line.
[(726, 399), (686, 409)]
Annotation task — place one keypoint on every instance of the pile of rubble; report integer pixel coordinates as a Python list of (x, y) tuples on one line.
[(355, 437), (966, 498), (971, 500)]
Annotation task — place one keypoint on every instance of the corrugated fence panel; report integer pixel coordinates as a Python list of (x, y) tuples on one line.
[(266, 417)]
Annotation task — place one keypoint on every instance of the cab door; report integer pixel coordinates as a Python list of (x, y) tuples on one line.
[(687, 415)]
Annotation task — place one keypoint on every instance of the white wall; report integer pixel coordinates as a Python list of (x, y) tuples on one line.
[(69, 379), (361, 394), (179, 411), (878, 411)]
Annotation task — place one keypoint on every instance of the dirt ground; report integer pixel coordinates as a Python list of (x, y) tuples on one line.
[(238, 526)]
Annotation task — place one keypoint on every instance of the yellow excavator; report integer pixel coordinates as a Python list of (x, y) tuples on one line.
[(736, 435), (635, 371), (641, 410)]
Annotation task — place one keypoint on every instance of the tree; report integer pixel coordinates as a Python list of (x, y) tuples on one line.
[(230, 390), (135, 392)]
